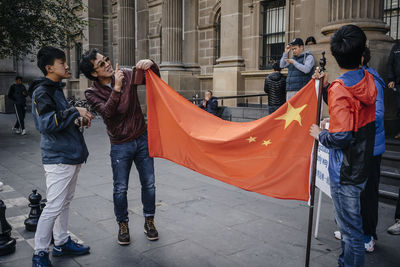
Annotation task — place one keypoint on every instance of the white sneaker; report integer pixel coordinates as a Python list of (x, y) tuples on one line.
[(395, 228), (337, 235), (16, 130), (370, 246), (23, 132)]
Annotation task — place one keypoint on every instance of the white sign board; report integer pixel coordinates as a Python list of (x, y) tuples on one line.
[(322, 178)]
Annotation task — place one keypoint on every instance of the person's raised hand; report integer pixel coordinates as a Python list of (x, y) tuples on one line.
[(119, 77), (391, 85), (287, 49), (144, 64)]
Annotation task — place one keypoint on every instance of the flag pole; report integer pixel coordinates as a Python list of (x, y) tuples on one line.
[(322, 63)]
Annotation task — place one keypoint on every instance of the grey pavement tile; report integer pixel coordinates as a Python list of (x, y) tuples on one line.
[(22, 251), (107, 252), (85, 229), (218, 212), (93, 208), (187, 253)]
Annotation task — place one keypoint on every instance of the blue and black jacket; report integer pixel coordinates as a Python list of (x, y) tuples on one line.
[(61, 141)]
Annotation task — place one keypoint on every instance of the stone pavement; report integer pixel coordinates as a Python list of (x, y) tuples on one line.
[(202, 222)]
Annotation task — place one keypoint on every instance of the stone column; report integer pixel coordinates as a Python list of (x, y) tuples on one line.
[(367, 14), (126, 36), (227, 78), (172, 35), (190, 54), (142, 30)]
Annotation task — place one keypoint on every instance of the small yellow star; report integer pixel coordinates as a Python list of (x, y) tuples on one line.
[(251, 139), (292, 114), (266, 143)]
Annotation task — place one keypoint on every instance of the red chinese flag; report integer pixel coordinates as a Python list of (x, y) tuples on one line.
[(270, 156)]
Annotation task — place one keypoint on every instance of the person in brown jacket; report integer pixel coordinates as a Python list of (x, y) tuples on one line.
[(113, 94)]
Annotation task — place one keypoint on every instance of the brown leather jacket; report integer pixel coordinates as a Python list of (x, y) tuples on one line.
[(121, 112)]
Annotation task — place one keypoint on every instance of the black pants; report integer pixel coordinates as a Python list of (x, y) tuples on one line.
[(21, 116), (369, 199), (397, 214)]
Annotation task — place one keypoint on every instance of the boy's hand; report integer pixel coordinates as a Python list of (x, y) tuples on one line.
[(144, 64), (318, 74), (315, 131), (85, 114), (119, 77)]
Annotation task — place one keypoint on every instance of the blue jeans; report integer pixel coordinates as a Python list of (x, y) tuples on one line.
[(122, 157), (346, 199)]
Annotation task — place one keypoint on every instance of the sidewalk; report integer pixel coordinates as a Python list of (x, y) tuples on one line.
[(201, 221)]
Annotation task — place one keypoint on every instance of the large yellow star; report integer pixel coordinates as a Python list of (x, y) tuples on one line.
[(266, 143), (292, 114), (251, 139)]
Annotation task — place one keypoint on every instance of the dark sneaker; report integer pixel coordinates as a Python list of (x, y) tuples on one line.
[(41, 260), (149, 229), (123, 234), (71, 248)]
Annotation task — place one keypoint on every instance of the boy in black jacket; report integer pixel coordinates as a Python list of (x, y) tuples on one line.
[(275, 87)]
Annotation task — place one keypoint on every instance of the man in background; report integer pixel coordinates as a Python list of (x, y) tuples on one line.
[(18, 94)]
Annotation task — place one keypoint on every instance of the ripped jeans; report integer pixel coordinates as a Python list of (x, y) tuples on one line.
[(122, 157)]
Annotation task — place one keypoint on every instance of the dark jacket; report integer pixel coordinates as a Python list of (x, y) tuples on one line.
[(297, 79), (393, 65), (211, 106), (275, 87), (351, 136), (18, 94), (121, 111), (61, 141)]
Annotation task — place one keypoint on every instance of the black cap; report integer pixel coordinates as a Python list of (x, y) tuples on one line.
[(297, 41)]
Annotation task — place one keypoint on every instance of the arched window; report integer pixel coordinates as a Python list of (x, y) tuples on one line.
[(217, 39), (273, 32)]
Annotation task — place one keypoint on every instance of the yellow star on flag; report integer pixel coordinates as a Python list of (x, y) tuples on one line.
[(292, 114), (266, 143), (251, 139)]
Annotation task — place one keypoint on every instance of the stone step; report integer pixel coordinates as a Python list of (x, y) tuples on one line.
[(388, 193), (391, 159), (392, 144), (390, 176)]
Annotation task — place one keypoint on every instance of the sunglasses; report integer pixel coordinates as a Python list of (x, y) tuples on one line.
[(102, 63)]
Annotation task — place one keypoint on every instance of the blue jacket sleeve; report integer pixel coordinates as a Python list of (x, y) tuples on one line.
[(339, 140), (48, 118), (380, 106)]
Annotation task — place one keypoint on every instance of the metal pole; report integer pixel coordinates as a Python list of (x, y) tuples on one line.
[(314, 164), (318, 213)]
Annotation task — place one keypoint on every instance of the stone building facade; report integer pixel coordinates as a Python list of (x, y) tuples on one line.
[(227, 46)]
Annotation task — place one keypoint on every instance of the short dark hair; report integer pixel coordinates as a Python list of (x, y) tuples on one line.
[(209, 91), (348, 45), (311, 39), (18, 78), (276, 66), (86, 66), (47, 55), (366, 57)]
